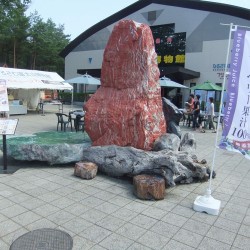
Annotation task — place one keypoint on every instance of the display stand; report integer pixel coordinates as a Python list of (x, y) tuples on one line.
[(7, 127), (207, 203)]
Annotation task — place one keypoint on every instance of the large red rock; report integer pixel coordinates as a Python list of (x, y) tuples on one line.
[(127, 108)]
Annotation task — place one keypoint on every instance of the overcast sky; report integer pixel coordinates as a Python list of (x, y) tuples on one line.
[(79, 15)]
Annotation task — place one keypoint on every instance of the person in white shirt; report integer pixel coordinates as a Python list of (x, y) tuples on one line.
[(210, 114)]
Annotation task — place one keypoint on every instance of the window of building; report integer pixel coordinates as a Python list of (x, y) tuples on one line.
[(151, 15)]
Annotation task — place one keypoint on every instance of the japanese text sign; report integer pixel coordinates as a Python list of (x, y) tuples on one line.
[(236, 132)]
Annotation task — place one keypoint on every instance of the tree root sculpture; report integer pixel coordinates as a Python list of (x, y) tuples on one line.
[(175, 167)]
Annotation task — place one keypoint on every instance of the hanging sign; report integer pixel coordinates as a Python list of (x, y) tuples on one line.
[(236, 132)]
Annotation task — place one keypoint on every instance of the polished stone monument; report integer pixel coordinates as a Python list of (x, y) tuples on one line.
[(127, 108)]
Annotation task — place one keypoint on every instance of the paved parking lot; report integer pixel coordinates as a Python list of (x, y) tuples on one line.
[(103, 213)]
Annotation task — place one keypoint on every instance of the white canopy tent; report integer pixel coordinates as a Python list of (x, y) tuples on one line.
[(27, 84), (32, 79)]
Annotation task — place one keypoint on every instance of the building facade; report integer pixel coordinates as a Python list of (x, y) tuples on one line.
[(191, 42)]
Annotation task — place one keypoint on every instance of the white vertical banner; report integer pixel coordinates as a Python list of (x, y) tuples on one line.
[(236, 132), (4, 104)]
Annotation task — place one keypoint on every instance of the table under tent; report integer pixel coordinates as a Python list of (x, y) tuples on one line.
[(26, 87)]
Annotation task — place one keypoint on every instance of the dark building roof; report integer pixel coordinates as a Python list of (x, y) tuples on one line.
[(190, 4)]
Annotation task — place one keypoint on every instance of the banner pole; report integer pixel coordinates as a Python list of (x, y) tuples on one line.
[(207, 203), (232, 29)]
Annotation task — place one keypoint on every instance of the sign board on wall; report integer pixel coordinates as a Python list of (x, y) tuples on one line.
[(219, 69), (169, 46)]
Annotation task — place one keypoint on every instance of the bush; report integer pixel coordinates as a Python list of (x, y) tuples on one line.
[(77, 97)]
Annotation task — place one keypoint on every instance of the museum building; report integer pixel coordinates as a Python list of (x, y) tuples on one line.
[(191, 39)]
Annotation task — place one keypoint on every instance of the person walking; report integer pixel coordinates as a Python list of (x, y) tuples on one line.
[(210, 115)]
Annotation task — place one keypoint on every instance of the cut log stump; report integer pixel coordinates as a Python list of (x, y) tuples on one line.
[(149, 187), (85, 170)]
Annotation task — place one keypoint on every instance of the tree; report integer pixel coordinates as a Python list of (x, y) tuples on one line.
[(14, 25), (28, 41), (46, 41)]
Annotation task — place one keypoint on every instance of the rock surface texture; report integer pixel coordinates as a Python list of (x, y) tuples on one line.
[(167, 141), (53, 154), (147, 187), (172, 116), (52, 147), (127, 108), (174, 167), (188, 142), (85, 170)]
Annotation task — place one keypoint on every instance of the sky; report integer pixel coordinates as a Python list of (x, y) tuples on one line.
[(79, 15)]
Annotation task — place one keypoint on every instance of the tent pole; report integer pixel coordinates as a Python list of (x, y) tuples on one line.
[(72, 98)]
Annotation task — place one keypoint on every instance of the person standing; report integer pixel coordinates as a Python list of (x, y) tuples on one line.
[(189, 106), (190, 103), (210, 114), (196, 114)]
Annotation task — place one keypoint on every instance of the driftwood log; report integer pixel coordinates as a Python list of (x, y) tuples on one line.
[(175, 167)]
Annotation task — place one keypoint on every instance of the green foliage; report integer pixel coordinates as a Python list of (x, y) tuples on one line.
[(46, 41), (29, 42), (14, 27), (77, 97)]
